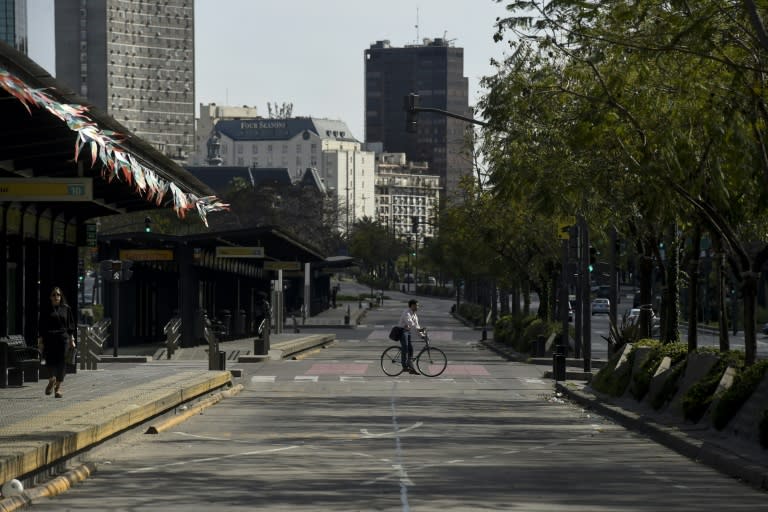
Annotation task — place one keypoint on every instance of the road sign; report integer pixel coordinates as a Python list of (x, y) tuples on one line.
[(146, 254), (46, 189), (282, 265), (239, 252)]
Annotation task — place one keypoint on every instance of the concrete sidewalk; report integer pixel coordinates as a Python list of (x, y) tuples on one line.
[(39, 434)]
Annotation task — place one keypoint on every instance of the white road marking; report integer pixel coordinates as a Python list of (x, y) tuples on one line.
[(534, 381), (312, 378), (365, 433), (212, 459), (348, 378), (263, 378)]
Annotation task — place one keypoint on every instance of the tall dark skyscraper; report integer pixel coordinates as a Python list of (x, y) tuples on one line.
[(136, 61), (435, 71), (13, 23)]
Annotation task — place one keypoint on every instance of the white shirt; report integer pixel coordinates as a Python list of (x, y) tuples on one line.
[(409, 320)]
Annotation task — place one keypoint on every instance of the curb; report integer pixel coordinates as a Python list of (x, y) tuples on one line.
[(701, 451), (106, 418), (193, 411), (64, 482), (56, 486)]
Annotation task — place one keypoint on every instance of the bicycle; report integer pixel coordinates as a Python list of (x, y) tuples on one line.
[(432, 365)]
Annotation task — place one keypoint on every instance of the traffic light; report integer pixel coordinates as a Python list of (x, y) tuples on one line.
[(147, 224), (411, 115), (414, 224), (80, 269), (592, 258)]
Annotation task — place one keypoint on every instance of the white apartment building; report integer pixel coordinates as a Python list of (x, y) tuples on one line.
[(299, 143), (405, 190)]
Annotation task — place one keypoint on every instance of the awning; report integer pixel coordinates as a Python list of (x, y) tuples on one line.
[(49, 132)]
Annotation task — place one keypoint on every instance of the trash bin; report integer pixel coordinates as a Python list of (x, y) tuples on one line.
[(226, 321), (558, 363)]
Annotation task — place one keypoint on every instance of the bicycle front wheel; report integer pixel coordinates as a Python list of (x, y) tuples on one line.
[(431, 361), (391, 361)]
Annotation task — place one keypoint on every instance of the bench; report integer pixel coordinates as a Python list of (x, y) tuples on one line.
[(18, 362)]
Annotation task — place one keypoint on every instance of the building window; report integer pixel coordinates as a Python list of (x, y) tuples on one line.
[(239, 149), (269, 148), (255, 149), (285, 149)]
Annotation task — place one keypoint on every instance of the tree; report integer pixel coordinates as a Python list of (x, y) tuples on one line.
[(670, 95)]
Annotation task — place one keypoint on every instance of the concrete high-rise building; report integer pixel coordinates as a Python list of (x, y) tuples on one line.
[(135, 60), (13, 23), (435, 71)]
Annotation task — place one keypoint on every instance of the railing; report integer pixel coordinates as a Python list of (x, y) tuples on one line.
[(172, 332), (91, 339)]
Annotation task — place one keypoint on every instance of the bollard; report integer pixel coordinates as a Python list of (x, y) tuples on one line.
[(222, 360), (346, 317)]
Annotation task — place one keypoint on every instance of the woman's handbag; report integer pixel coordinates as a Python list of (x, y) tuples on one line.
[(395, 333), (71, 356)]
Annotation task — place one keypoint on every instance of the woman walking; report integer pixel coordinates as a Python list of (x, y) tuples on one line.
[(56, 335)]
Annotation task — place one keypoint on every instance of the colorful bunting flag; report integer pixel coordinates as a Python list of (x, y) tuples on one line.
[(117, 162)]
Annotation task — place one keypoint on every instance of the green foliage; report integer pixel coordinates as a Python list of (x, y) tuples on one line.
[(505, 329), (473, 313), (642, 379), (535, 328), (670, 386), (700, 396), (435, 291), (744, 384), (611, 380)]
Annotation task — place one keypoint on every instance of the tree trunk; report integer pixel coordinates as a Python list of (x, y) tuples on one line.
[(722, 311), (670, 332), (645, 271), (749, 293), (693, 296)]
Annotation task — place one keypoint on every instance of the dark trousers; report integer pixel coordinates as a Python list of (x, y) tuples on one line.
[(406, 348), (54, 351)]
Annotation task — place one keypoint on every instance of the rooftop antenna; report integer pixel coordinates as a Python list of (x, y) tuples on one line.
[(417, 26)]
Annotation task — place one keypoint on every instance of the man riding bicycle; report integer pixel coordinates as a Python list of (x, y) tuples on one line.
[(409, 322)]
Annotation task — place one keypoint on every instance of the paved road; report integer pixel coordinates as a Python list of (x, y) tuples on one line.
[(331, 432)]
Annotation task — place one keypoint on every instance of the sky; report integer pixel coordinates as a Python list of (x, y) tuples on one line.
[(308, 52)]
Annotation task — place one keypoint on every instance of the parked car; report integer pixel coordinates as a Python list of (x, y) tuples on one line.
[(601, 306)]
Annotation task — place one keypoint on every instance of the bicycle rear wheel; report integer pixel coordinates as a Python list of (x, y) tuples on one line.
[(431, 361), (391, 361)]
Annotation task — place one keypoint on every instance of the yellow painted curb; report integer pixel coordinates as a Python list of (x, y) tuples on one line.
[(197, 409), (56, 486)]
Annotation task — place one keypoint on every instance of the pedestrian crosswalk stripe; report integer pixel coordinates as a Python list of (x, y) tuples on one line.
[(312, 378), (346, 378), (263, 378)]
